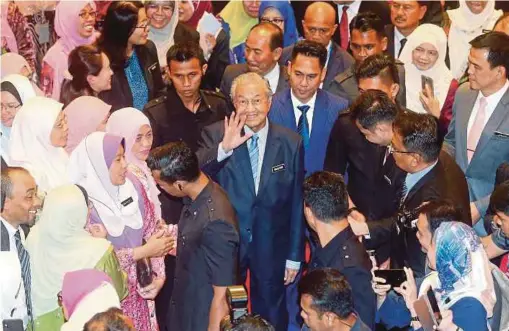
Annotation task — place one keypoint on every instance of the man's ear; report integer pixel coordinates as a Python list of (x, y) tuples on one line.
[(422, 12), (204, 68), (384, 42), (91, 79), (277, 53), (394, 91)]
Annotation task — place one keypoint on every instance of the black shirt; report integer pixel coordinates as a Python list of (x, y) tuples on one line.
[(346, 254), (207, 249)]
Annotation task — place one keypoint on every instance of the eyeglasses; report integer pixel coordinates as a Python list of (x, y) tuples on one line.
[(276, 20), (86, 14), (166, 9), (143, 26), (10, 106), (244, 103), (320, 31), (391, 150)]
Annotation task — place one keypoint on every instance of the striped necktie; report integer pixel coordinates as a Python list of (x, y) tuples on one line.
[(303, 125), (253, 156), (24, 261)]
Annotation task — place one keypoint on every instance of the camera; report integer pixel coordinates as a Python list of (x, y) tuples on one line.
[(237, 303), (408, 218)]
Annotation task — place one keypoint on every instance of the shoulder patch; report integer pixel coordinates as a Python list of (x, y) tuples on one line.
[(214, 94), (155, 102)]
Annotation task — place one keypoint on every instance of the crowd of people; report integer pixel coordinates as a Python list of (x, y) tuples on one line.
[(345, 161)]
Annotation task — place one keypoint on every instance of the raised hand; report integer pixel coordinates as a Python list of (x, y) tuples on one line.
[(233, 137)]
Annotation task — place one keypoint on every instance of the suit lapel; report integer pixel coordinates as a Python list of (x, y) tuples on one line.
[(500, 112), (331, 66), (271, 151), (285, 111), (282, 83), (319, 120), (462, 127), (389, 31), (422, 181), (242, 161)]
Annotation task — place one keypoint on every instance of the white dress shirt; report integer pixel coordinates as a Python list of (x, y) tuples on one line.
[(309, 115), (398, 36), (273, 78), (351, 12), (13, 307), (492, 102)]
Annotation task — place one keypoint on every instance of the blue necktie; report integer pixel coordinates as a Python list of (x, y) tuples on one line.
[(303, 126), (253, 156), (24, 261)]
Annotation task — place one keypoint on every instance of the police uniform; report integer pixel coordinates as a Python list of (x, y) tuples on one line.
[(207, 247), (171, 121), (346, 254)]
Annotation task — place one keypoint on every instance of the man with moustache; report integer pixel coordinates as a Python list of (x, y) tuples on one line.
[(264, 45), (19, 204), (319, 26)]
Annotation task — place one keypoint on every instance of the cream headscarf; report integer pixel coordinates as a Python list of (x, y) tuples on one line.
[(164, 38), (465, 26), (59, 243), (30, 145), (441, 75)]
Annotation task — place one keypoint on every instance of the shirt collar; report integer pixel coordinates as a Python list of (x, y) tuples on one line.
[(353, 8), (273, 74), (195, 204), (12, 231), (495, 98), (412, 179), (262, 134), (296, 102), (398, 35)]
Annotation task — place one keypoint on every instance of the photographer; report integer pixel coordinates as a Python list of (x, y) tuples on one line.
[(461, 283), (431, 175)]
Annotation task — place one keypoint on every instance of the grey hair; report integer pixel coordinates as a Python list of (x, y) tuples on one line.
[(7, 184), (250, 77)]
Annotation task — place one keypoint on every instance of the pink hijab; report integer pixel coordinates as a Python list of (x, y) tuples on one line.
[(7, 33), (12, 63), (84, 116), (67, 21), (126, 122)]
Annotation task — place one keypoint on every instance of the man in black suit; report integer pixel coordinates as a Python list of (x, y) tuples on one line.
[(261, 167), (264, 45), (405, 17), (319, 26), (431, 175), (326, 211), (367, 38)]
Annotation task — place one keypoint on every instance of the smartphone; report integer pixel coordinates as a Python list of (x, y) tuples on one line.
[(425, 80), (393, 277), (424, 309)]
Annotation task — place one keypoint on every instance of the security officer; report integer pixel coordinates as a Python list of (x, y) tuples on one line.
[(185, 109), (326, 211), (207, 243)]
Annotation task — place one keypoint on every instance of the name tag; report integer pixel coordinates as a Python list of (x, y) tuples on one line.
[(127, 202), (278, 168), (152, 67)]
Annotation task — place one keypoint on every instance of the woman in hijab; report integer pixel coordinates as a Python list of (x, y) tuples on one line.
[(85, 115), (38, 138), (462, 282), (241, 16), (15, 90), (89, 73), (467, 22), (281, 14), (74, 24), (216, 48), (59, 243), (122, 207), (424, 56), (85, 293), (136, 73), (13, 63)]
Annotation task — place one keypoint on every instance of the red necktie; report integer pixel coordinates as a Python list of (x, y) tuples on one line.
[(343, 28)]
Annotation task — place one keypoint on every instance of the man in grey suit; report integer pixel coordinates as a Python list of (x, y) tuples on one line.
[(264, 46), (478, 135), (319, 26), (367, 37)]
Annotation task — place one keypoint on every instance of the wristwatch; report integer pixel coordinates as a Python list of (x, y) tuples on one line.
[(414, 319)]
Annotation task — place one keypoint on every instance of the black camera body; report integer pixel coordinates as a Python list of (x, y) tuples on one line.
[(237, 302), (408, 218)]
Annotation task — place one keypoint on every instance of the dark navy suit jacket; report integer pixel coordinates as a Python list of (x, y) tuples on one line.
[(273, 218), (327, 108)]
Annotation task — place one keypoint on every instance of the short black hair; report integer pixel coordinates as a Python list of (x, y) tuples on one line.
[(326, 195), (329, 290), (176, 161), (276, 37), (499, 200), (311, 49), (502, 174), (440, 211), (423, 3), (110, 320), (497, 44), (251, 323), (420, 134), (183, 52), (378, 65), (367, 21), (6, 183), (373, 107)]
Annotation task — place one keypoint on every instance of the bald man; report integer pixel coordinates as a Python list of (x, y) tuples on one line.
[(264, 46), (319, 25)]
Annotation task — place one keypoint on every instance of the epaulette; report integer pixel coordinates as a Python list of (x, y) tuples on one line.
[(345, 113), (214, 94), (155, 102)]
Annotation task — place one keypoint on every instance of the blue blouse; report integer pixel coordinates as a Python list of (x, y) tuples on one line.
[(136, 80)]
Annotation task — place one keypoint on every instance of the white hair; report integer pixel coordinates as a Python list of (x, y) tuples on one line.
[(250, 77)]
